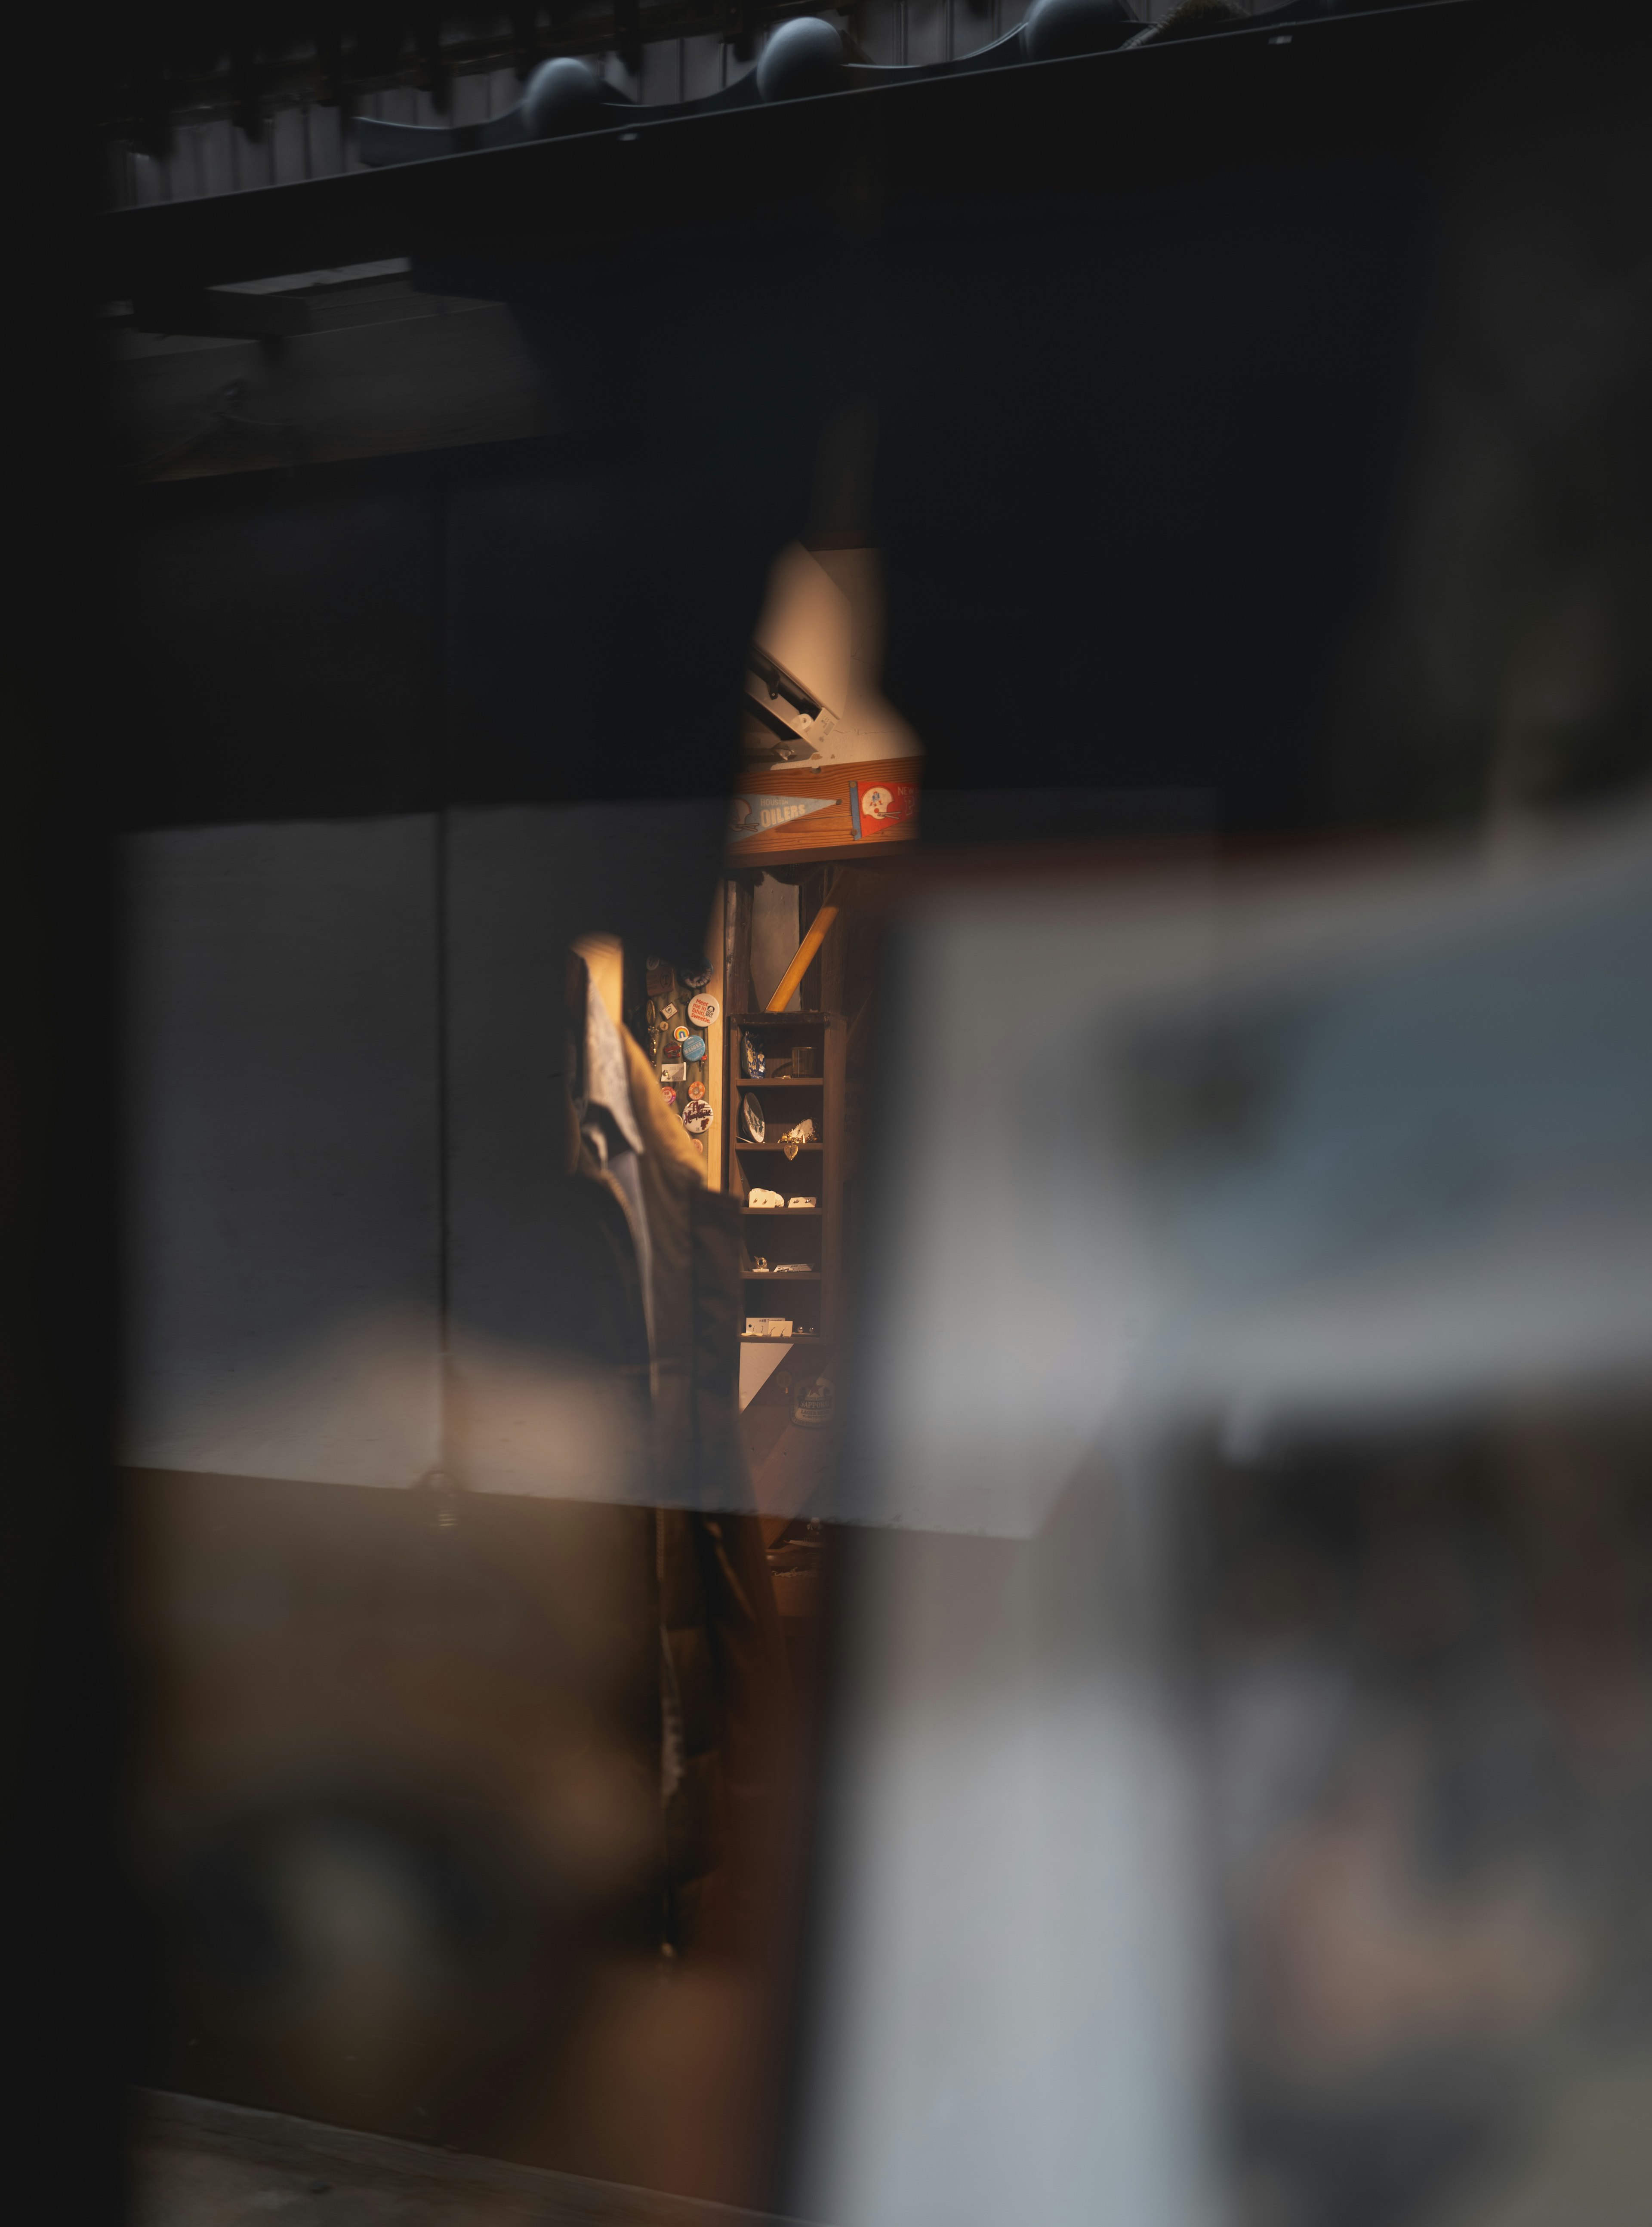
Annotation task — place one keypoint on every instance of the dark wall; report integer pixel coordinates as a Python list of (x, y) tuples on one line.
[(286, 636)]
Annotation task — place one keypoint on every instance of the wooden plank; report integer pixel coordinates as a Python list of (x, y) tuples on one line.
[(832, 1177), (819, 929), (829, 828), (737, 995), (831, 965), (715, 1034), (742, 996)]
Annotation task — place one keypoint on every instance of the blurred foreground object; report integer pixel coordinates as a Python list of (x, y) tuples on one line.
[(1249, 1738)]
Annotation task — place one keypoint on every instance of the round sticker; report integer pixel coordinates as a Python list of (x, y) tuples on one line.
[(695, 1047), (682, 1033), (697, 1089), (668, 1093), (703, 1010), (697, 1116)]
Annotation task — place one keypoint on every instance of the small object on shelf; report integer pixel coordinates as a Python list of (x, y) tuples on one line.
[(801, 1201), (752, 1059), (760, 1265), (816, 1403), (803, 1060), (766, 1199), (767, 1326), (793, 1268), (751, 1119), (800, 1133)]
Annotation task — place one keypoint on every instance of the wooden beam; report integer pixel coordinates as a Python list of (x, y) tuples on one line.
[(820, 929)]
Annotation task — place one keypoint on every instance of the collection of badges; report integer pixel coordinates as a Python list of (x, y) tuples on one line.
[(679, 1011)]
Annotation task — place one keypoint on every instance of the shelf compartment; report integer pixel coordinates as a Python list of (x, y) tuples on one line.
[(811, 1169)]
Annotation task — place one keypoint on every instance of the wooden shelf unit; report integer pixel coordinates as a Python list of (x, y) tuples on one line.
[(816, 1171)]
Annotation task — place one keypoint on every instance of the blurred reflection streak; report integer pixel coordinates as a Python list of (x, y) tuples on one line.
[(534, 1425), (1014, 2016), (361, 1405)]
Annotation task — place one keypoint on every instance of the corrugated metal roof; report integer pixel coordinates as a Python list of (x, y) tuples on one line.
[(302, 135)]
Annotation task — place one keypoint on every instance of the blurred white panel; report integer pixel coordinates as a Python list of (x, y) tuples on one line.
[(1374, 1132), (987, 1361), (1013, 2020), (283, 1171)]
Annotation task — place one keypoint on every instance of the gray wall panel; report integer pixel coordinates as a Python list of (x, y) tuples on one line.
[(283, 1140)]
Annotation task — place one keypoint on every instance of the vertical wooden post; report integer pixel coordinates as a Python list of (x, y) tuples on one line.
[(833, 1062)]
